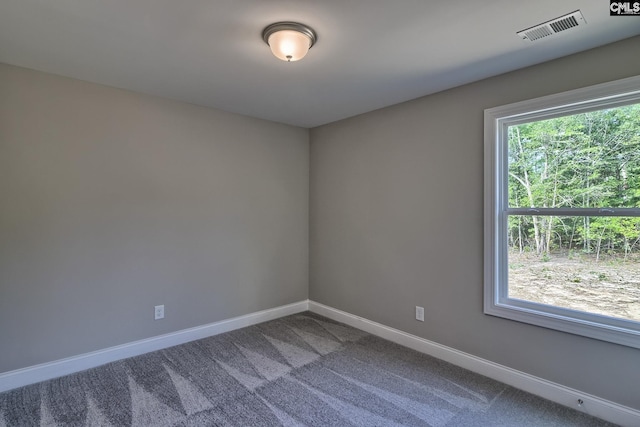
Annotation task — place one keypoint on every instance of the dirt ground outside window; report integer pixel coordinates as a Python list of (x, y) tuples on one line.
[(609, 286)]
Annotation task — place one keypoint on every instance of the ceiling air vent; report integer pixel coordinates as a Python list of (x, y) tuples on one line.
[(555, 26)]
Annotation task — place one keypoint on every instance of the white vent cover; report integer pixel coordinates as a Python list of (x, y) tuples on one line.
[(555, 26)]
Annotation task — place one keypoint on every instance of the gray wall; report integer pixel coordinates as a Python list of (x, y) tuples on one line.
[(397, 221), (113, 202)]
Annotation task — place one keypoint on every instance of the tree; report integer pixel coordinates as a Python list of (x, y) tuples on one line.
[(588, 160)]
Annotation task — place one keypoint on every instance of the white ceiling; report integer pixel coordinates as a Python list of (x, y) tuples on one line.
[(369, 54)]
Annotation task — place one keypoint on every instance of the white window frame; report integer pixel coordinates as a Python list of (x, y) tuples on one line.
[(496, 210)]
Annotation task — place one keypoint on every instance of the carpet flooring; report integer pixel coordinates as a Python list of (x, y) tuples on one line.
[(300, 370)]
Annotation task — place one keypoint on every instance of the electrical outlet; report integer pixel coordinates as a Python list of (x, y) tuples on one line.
[(420, 313), (159, 312)]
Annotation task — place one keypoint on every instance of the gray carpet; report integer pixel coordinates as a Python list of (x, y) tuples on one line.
[(301, 370)]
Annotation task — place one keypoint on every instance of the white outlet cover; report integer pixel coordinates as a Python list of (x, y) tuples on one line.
[(420, 313), (159, 312)]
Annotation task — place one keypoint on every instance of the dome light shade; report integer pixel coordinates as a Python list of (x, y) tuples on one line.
[(289, 41)]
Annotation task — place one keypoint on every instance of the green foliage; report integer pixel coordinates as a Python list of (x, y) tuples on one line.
[(587, 160)]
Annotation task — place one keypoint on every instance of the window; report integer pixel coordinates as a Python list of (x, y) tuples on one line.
[(562, 212)]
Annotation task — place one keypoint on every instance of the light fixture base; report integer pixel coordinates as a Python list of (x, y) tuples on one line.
[(290, 26)]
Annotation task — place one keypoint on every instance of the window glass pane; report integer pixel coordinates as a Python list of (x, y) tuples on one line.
[(552, 156), (590, 264), (587, 160)]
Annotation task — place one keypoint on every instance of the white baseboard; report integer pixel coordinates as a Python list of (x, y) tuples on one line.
[(566, 396), (58, 368)]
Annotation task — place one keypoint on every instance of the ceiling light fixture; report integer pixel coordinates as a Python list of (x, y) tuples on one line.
[(289, 41)]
